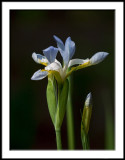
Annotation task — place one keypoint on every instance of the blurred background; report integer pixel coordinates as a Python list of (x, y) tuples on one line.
[(32, 31)]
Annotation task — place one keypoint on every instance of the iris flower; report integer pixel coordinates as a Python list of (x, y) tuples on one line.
[(54, 67)]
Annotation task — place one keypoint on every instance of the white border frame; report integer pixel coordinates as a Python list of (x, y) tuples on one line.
[(118, 7)]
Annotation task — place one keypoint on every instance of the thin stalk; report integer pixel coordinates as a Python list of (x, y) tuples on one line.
[(70, 120), (58, 139), (57, 129), (109, 123)]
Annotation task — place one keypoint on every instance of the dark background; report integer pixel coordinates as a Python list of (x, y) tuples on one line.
[(32, 31)]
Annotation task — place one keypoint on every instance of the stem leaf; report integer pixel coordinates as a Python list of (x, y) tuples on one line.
[(51, 98), (62, 102)]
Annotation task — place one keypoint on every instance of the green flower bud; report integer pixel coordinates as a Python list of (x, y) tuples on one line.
[(86, 116), (87, 111)]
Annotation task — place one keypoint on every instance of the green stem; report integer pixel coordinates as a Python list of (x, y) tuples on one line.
[(70, 121), (109, 123), (58, 139)]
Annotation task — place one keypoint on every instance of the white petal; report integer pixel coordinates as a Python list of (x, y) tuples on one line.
[(38, 58), (98, 57), (38, 75), (58, 62), (88, 101), (54, 66), (77, 61)]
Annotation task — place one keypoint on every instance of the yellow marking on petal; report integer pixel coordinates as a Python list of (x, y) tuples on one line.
[(56, 75), (43, 70), (43, 63), (83, 65), (78, 67)]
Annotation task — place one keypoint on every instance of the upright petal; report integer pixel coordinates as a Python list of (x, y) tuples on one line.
[(38, 75), (38, 58), (60, 44), (98, 57), (50, 53), (70, 47), (69, 51), (66, 51)]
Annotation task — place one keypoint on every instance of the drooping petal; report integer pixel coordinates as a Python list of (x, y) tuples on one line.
[(38, 75), (85, 64), (98, 57), (77, 61), (60, 44), (38, 58), (50, 53)]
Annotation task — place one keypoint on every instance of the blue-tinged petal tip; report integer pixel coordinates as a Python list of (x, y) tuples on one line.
[(50, 53), (38, 75), (59, 42), (34, 56), (88, 101), (98, 57)]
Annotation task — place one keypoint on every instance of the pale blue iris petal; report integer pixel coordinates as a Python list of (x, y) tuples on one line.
[(38, 75), (70, 47), (50, 53), (39, 58), (98, 57), (60, 44), (72, 50), (69, 50), (66, 51)]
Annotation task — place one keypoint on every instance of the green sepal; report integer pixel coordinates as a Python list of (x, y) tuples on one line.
[(84, 137), (62, 102), (52, 98), (87, 111)]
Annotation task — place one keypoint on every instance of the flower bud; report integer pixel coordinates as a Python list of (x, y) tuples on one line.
[(87, 110), (86, 116)]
